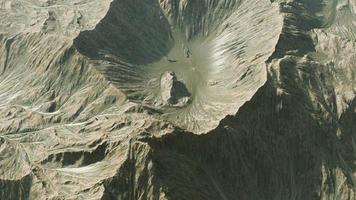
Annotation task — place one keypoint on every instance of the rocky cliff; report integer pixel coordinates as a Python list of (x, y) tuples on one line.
[(268, 110)]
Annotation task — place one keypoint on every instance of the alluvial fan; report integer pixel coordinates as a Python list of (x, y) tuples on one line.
[(177, 99)]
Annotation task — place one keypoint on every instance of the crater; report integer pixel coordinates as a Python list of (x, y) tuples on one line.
[(211, 55)]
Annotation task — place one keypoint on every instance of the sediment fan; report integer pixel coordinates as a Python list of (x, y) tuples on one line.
[(216, 48)]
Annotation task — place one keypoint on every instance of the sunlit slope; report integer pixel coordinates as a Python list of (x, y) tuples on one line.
[(177, 99), (218, 49)]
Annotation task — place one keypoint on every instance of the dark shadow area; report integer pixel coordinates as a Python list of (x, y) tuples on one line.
[(133, 31), (180, 90), (135, 179), (300, 18), (80, 158), (16, 189), (274, 149), (261, 154), (347, 145)]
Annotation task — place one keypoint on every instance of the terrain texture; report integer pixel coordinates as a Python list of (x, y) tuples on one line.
[(177, 99)]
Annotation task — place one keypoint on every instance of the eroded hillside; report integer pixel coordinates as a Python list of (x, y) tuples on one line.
[(177, 99)]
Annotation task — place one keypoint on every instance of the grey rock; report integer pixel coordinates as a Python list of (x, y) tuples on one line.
[(261, 104), (173, 91)]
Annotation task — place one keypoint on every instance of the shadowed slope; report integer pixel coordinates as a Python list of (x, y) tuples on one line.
[(218, 51)]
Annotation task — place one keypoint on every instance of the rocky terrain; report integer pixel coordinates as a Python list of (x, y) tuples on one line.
[(177, 99)]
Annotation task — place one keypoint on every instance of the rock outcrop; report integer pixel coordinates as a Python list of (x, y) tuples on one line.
[(174, 92)]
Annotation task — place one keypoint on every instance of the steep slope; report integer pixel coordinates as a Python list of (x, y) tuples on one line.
[(217, 49), (84, 112)]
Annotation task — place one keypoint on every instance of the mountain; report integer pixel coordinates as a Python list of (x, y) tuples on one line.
[(177, 99)]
